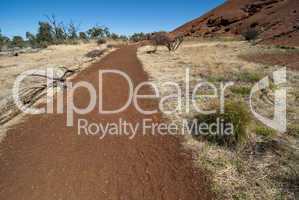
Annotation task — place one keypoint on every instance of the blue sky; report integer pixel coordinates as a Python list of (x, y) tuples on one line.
[(121, 16)]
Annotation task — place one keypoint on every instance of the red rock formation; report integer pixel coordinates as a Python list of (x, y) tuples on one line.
[(277, 21)]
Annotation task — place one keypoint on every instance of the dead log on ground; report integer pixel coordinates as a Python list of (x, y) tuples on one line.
[(34, 88)]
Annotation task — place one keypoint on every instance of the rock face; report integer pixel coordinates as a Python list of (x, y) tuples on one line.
[(277, 21)]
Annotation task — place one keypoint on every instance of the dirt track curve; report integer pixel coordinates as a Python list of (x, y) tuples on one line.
[(42, 159)]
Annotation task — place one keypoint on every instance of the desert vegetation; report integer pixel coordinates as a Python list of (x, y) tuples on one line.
[(164, 39), (53, 32), (65, 60), (239, 45), (161, 38), (250, 34), (235, 114), (55, 45), (255, 163), (137, 37)]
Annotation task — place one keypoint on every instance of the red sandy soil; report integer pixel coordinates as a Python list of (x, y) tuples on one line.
[(290, 60), (277, 21), (42, 159)]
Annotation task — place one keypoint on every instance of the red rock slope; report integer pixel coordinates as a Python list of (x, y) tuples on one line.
[(277, 21)]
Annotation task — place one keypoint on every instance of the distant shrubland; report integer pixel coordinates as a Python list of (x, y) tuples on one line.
[(53, 32)]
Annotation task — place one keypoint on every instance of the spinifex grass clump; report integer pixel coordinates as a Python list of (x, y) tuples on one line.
[(249, 77), (241, 90), (235, 117), (264, 131)]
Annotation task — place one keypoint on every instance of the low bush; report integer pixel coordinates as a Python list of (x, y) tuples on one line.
[(241, 90), (250, 34), (72, 42), (264, 131), (101, 41), (43, 44), (216, 79), (17, 41), (235, 114), (137, 37), (249, 77), (83, 36)]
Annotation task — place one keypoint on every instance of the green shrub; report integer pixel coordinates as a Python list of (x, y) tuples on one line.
[(264, 131), (17, 41), (60, 35), (44, 33), (83, 36), (4, 41), (249, 77), (31, 39), (123, 37), (114, 36), (43, 44), (250, 34), (236, 114), (241, 90), (96, 32), (216, 79), (72, 31), (137, 37)]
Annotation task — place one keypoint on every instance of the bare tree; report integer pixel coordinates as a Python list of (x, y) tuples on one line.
[(163, 38)]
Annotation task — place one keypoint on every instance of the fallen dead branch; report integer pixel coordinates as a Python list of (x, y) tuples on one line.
[(36, 87)]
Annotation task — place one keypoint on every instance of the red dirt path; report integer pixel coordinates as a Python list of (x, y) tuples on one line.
[(42, 159)]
